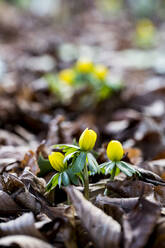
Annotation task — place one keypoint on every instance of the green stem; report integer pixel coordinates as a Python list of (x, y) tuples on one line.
[(68, 200), (113, 173), (86, 182), (107, 192)]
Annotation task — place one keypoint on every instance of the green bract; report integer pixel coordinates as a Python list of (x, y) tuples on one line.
[(115, 153)]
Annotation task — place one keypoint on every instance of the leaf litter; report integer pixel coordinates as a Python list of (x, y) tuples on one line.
[(33, 119)]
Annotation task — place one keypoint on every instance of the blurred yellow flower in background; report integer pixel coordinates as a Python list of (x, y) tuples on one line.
[(84, 65), (67, 76), (101, 71), (145, 31)]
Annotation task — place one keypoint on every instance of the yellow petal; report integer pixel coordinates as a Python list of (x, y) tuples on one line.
[(67, 76), (87, 139), (56, 160), (101, 71), (84, 65), (115, 150)]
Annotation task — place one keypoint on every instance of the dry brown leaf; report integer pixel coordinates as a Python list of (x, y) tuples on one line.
[(139, 223), (23, 225), (159, 234), (130, 188), (30, 160), (8, 205), (29, 179), (103, 230), (20, 192), (150, 177), (22, 241), (127, 204), (134, 155)]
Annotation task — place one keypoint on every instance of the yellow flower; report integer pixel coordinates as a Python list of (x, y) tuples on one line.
[(145, 30), (56, 160), (101, 71), (67, 76), (87, 139), (84, 65), (115, 150)]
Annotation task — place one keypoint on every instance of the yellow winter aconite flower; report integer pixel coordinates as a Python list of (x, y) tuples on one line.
[(145, 29), (67, 76), (84, 65), (87, 139), (56, 160), (115, 150), (101, 71)]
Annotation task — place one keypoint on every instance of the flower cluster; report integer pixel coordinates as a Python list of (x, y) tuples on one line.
[(83, 69), (84, 74), (75, 163)]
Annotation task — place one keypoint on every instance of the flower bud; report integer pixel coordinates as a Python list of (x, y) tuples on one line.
[(67, 76), (115, 150), (145, 31), (87, 139), (84, 65), (101, 71), (56, 160)]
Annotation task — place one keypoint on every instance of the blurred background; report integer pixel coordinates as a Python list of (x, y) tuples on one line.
[(66, 65)]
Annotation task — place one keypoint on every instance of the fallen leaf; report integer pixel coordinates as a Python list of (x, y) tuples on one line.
[(141, 222), (23, 225), (130, 188), (8, 205), (103, 230), (22, 241), (127, 204)]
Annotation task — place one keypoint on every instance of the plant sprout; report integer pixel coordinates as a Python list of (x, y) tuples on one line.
[(115, 154), (77, 163), (83, 74)]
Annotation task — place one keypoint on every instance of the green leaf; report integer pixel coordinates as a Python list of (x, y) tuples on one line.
[(52, 182), (78, 164), (63, 146), (93, 165), (128, 166), (80, 175), (102, 170), (73, 178), (70, 155), (44, 165), (65, 179), (70, 150), (104, 164), (125, 169), (109, 168), (60, 180), (117, 171)]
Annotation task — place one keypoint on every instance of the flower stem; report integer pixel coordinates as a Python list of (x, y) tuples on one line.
[(86, 182), (107, 192), (68, 200), (113, 173)]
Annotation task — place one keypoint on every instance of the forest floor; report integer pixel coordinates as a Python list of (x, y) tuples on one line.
[(32, 120)]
